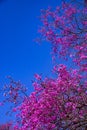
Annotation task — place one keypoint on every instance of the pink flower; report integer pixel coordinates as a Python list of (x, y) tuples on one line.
[(37, 76)]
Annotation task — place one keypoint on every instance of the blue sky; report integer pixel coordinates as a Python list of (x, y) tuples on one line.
[(20, 56)]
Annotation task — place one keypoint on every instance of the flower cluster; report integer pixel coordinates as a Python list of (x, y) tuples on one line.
[(66, 29), (56, 104)]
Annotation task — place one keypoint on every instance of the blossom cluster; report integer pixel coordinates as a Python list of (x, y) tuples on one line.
[(66, 29), (59, 103)]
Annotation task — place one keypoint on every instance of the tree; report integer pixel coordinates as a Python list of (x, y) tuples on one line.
[(66, 29), (56, 104), (60, 103)]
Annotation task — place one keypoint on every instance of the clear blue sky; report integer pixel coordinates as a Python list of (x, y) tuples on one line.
[(20, 56)]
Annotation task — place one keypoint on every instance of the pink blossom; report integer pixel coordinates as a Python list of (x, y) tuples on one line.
[(38, 77)]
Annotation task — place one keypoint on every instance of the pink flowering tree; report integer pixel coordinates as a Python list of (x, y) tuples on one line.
[(58, 103), (66, 29)]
